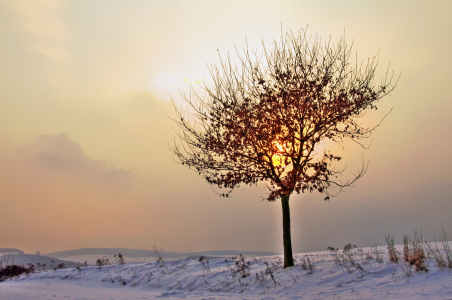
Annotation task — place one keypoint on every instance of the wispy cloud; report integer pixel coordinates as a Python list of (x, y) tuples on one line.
[(42, 20), (52, 154)]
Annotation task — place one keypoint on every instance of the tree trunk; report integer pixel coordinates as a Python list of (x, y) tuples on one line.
[(288, 258)]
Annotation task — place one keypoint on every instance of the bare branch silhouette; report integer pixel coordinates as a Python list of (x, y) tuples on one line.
[(262, 120)]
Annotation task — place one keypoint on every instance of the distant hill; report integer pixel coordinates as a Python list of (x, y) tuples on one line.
[(234, 253), (150, 253), (24, 259), (10, 250), (104, 251)]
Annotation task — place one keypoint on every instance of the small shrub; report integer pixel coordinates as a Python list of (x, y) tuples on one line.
[(346, 260), (159, 256), (205, 264), (416, 254), (335, 254), (378, 254), (262, 279), (307, 265), (59, 266), (349, 247), (240, 266), (441, 260), (102, 262), (120, 260), (11, 271), (99, 262), (436, 255), (243, 267)]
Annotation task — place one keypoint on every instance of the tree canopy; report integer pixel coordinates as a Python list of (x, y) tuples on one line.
[(262, 120)]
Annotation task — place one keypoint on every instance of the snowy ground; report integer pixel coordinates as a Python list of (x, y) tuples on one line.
[(360, 278)]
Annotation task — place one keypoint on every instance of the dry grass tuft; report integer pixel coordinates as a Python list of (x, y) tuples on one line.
[(392, 252), (448, 252), (413, 251)]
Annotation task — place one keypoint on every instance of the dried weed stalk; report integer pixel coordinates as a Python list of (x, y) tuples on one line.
[(307, 265), (392, 252), (205, 264), (435, 253), (446, 248)]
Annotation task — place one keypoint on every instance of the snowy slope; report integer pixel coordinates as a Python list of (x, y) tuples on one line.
[(189, 278)]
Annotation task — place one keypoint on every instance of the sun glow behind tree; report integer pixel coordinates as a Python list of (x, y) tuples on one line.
[(265, 120)]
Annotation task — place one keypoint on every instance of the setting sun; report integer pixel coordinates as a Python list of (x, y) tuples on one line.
[(278, 158)]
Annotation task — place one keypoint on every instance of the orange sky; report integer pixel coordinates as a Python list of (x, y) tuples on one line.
[(84, 131)]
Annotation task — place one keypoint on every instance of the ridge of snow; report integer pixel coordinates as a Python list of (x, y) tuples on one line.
[(189, 278)]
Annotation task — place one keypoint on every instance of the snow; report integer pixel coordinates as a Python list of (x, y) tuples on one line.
[(221, 279)]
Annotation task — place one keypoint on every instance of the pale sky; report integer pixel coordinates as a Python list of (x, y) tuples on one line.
[(84, 97)]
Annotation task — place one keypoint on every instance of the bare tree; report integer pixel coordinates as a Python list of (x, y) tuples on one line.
[(262, 121)]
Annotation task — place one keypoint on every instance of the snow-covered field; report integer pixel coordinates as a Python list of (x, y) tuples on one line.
[(362, 277)]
